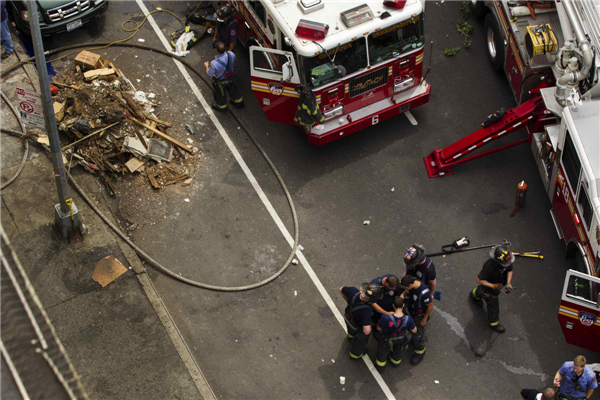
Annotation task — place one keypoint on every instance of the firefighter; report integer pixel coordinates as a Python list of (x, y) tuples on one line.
[(391, 289), (417, 297), (575, 380), (496, 273), (227, 28), (358, 315), (396, 331), (223, 79), (419, 266)]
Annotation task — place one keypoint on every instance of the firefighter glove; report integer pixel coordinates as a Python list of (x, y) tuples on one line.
[(496, 286), (508, 288)]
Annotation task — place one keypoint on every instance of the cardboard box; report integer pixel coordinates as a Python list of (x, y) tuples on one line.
[(88, 60)]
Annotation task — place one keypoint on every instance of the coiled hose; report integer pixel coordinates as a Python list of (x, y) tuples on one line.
[(26, 152), (137, 249)]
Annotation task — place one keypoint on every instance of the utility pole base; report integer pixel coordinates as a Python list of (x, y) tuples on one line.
[(72, 229)]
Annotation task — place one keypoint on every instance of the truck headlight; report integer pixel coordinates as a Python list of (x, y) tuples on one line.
[(25, 16)]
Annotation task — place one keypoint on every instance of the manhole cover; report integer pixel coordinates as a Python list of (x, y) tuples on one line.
[(141, 205)]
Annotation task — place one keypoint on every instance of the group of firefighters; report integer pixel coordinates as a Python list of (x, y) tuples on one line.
[(397, 311)]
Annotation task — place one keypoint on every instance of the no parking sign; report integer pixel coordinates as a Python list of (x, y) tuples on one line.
[(30, 108)]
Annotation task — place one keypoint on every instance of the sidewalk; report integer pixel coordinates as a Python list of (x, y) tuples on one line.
[(120, 337)]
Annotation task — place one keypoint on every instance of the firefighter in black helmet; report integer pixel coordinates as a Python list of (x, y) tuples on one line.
[(358, 315), (496, 273), (227, 28), (419, 266)]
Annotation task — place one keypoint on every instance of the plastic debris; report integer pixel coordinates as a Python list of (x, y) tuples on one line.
[(437, 382), (296, 294), (141, 40), (295, 262), (300, 247), (342, 380), (186, 200), (367, 223), (393, 190)]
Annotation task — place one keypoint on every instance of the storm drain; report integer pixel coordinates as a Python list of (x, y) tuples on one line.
[(142, 205)]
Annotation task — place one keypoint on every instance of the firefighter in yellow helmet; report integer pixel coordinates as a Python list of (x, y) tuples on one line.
[(496, 273)]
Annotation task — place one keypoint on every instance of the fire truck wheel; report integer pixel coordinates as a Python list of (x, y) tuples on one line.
[(477, 8), (494, 42)]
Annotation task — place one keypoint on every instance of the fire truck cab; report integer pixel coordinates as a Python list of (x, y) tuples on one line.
[(363, 62)]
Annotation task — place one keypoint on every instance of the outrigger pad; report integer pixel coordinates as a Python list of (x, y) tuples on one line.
[(493, 117)]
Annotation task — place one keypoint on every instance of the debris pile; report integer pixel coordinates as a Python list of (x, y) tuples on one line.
[(113, 128)]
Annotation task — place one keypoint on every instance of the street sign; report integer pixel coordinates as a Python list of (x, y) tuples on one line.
[(30, 108)]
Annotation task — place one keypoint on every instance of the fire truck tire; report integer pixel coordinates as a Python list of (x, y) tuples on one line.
[(477, 8), (493, 42)]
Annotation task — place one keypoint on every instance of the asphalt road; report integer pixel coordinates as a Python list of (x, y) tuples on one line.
[(283, 340)]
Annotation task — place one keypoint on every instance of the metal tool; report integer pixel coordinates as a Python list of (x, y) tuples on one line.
[(455, 247), (533, 254)]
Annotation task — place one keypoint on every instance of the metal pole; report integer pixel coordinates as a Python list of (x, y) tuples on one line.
[(67, 219)]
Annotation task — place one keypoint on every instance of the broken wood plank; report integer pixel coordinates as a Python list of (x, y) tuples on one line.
[(159, 121), (65, 85), (111, 65), (178, 178), (153, 181), (134, 164), (133, 105), (165, 136), (150, 133), (141, 137), (98, 72), (89, 136)]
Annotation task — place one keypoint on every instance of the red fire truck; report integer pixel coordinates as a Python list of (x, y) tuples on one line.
[(363, 62), (550, 52)]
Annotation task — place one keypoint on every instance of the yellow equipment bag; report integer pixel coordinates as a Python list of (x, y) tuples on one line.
[(540, 39)]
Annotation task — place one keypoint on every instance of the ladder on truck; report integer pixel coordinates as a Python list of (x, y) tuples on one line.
[(442, 162)]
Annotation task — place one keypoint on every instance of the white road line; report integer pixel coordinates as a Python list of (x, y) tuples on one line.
[(411, 118), (261, 194)]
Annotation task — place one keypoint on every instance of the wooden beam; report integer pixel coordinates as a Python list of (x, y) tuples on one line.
[(65, 85), (159, 121), (89, 136), (98, 72), (164, 136), (133, 105)]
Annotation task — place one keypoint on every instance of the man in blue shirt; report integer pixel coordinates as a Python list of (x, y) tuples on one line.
[(223, 79), (574, 380), (396, 330), (420, 305)]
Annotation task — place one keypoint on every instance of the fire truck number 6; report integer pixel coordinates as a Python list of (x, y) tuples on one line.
[(362, 63)]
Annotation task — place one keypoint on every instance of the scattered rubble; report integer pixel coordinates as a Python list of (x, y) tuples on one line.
[(113, 128)]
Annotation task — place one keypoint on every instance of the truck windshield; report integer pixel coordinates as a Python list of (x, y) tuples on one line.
[(318, 70), (395, 40)]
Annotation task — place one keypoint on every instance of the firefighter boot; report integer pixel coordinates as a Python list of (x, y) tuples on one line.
[(416, 358), (498, 327), (476, 299)]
